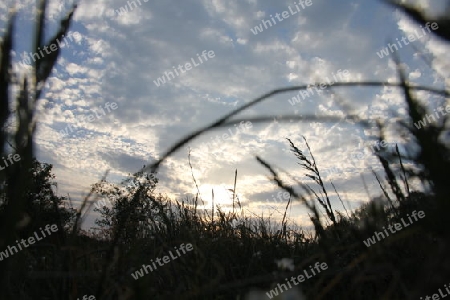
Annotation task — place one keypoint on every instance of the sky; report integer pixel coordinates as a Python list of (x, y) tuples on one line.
[(116, 68)]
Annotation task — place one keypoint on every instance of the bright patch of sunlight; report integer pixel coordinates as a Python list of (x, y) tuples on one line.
[(223, 196)]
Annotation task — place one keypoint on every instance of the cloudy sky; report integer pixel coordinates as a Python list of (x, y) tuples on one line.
[(228, 57)]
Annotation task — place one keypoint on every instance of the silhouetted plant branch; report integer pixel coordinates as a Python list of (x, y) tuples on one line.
[(220, 122)]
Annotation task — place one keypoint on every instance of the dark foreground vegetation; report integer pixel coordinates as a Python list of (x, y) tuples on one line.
[(232, 254)]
